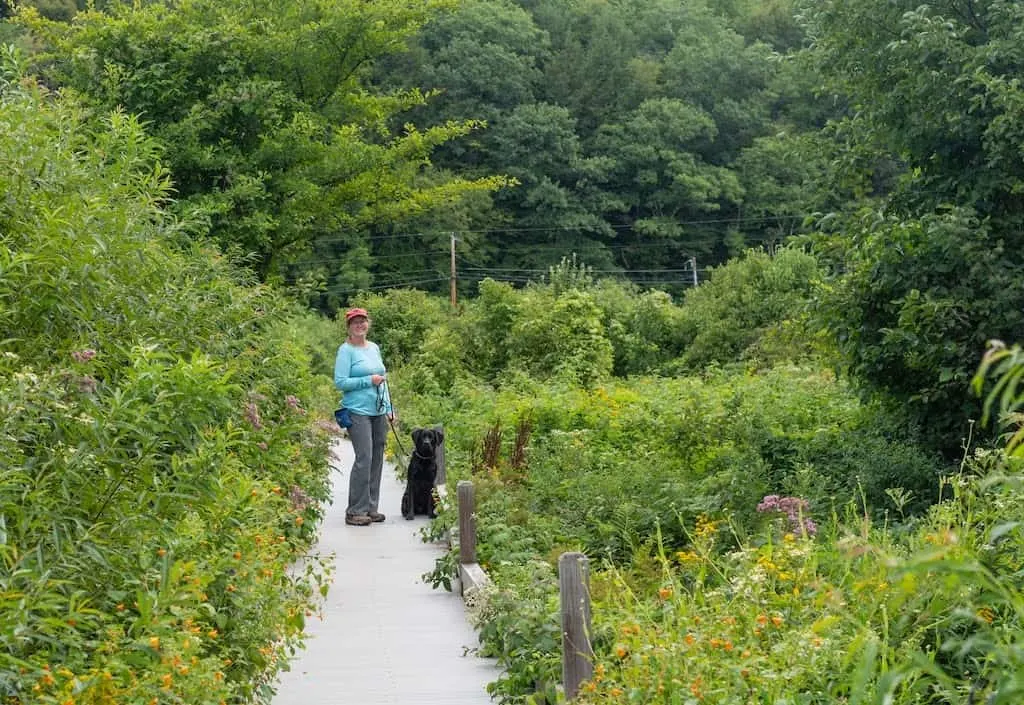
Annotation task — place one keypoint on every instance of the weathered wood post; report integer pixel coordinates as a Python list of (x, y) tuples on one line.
[(574, 591), (439, 480), (467, 522)]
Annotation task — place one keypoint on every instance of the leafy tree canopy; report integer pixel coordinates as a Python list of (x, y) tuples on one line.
[(935, 266), (272, 139)]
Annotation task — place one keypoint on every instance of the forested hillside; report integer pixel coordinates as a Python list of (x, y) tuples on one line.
[(725, 272)]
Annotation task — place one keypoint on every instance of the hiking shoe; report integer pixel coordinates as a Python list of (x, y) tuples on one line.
[(376, 517), (358, 520)]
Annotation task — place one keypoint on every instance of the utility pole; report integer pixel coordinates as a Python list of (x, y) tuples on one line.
[(693, 265), (452, 279)]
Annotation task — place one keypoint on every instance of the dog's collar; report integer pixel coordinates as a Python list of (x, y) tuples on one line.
[(421, 457)]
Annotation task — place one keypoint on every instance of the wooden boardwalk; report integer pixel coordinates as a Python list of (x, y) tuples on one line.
[(386, 636)]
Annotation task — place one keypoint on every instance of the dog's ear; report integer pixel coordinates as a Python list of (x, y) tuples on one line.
[(416, 435), (439, 435)]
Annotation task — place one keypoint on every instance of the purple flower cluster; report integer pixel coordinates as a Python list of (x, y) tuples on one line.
[(300, 500), (252, 415), (293, 403), (330, 427), (83, 355), (795, 510)]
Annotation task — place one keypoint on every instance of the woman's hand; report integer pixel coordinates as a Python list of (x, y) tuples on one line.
[(377, 380)]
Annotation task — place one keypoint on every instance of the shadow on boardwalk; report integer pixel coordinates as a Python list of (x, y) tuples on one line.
[(386, 636)]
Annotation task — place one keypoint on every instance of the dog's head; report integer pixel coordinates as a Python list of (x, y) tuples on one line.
[(426, 440)]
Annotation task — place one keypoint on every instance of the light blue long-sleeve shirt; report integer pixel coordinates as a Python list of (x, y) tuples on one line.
[(353, 368)]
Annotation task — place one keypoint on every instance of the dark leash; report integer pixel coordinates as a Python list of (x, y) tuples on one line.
[(383, 401)]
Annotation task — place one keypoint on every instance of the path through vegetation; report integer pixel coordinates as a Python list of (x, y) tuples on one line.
[(385, 635)]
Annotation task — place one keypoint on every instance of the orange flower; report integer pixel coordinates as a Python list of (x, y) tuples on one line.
[(695, 687), (161, 552), (154, 642), (621, 651), (665, 593), (166, 680)]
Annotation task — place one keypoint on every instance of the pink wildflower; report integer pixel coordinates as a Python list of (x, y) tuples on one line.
[(794, 508), (252, 415)]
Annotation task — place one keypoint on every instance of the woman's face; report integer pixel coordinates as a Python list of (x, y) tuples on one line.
[(359, 325)]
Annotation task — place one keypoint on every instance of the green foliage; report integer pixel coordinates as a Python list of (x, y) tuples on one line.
[(518, 625), (934, 86), (560, 337), (624, 125), (1006, 396), (918, 300), (743, 300), (934, 268), (272, 141), (644, 328), (160, 475)]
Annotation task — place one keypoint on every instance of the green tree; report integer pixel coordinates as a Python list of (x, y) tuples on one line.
[(659, 171), (272, 138), (935, 267)]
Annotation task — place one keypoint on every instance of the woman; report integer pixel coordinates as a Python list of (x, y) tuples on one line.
[(360, 375)]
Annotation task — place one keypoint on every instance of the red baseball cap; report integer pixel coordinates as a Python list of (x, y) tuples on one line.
[(354, 313)]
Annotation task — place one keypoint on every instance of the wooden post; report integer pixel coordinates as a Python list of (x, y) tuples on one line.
[(574, 591), (467, 522), (439, 480)]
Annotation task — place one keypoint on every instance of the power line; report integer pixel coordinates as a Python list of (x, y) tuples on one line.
[(375, 258), (562, 228), (393, 285), (593, 271), (596, 247)]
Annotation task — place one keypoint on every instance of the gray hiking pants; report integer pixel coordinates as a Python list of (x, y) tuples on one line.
[(368, 435)]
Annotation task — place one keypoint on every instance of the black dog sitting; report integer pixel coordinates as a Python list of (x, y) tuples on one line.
[(419, 486)]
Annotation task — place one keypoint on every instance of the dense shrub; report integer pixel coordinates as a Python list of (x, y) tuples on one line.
[(160, 471), (742, 301)]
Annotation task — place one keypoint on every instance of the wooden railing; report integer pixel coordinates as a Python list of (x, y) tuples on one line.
[(574, 593)]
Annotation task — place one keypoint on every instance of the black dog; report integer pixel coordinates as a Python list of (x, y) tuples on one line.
[(419, 486)]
